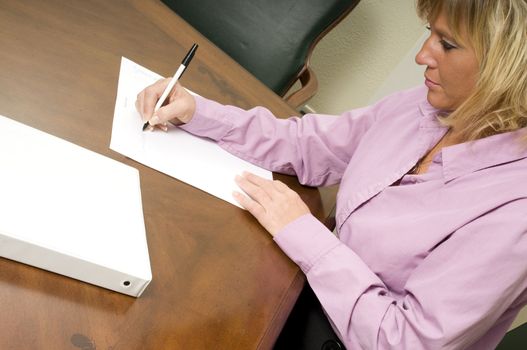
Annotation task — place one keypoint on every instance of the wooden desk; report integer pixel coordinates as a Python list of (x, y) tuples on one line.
[(219, 281)]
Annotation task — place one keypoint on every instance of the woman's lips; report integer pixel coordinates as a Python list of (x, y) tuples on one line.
[(430, 83)]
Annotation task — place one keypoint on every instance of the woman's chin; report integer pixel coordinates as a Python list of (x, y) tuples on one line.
[(438, 101)]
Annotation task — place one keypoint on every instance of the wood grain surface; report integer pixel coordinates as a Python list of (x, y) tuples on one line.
[(219, 281)]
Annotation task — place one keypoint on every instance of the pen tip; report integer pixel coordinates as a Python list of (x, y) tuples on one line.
[(145, 125)]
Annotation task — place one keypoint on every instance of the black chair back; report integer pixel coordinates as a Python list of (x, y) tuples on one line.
[(272, 39)]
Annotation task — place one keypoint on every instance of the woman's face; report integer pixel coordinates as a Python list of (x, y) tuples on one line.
[(451, 68)]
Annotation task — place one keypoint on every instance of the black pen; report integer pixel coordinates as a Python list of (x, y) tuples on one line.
[(184, 64)]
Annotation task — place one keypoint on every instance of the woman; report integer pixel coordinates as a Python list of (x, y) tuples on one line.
[(431, 243)]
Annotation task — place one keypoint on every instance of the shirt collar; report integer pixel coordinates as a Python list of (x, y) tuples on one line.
[(426, 108), (484, 153), (468, 157)]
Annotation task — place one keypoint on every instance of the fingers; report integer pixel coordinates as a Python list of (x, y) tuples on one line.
[(250, 204), (272, 203), (178, 108), (255, 190), (148, 97), (268, 185)]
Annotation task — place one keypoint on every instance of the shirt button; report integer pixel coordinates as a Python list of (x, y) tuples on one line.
[(331, 345)]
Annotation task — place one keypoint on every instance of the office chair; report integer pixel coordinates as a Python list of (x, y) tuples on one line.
[(272, 39), (515, 339)]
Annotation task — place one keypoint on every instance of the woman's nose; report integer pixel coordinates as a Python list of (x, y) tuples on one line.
[(425, 57)]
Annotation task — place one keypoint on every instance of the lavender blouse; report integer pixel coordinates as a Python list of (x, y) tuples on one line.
[(438, 261)]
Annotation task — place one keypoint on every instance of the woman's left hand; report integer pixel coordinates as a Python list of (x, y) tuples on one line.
[(272, 203)]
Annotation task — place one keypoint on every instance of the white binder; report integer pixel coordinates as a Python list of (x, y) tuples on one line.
[(72, 211)]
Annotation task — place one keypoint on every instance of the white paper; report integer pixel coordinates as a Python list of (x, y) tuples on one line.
[(193, 160), (60, 202)]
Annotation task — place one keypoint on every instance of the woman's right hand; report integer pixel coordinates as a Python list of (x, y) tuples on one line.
[(178, 108)]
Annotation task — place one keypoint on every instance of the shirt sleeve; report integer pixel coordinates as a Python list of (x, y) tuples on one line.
[(316, 147), (452, 298)]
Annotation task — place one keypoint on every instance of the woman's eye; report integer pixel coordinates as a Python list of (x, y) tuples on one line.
[(446, 45)]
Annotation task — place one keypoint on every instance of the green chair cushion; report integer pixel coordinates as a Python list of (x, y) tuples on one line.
[(515, 339), (270, 38)]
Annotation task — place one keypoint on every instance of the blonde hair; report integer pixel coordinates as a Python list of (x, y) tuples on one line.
[(497, 30)]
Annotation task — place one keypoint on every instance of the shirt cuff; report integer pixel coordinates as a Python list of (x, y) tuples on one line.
[(209, 120), (305, 241)]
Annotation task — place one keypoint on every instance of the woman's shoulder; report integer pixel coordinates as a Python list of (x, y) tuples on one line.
[(406, 104)]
